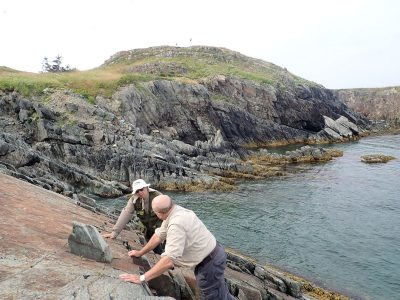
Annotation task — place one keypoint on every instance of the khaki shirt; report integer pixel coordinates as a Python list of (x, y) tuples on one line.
[(188, 239)]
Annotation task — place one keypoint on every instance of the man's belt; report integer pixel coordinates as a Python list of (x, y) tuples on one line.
[(209, 257)]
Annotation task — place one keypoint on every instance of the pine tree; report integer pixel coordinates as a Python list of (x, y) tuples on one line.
[(55, 66)]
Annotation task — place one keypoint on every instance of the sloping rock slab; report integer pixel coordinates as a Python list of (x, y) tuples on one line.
[(35, 261)]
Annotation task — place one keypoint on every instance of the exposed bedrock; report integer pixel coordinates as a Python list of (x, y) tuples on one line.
[(176, 135)]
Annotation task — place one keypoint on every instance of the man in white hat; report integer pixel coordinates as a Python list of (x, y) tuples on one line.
[(142, 197)]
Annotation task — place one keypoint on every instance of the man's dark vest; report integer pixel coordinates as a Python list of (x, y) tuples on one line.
[(149, 220)]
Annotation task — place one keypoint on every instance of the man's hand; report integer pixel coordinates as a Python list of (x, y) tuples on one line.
[(109, 235), (135, 253), (130, 277)]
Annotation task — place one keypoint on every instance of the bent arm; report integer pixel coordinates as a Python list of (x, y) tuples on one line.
[(151, 244)]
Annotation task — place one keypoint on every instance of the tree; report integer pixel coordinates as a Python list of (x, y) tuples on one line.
[(55, 66)]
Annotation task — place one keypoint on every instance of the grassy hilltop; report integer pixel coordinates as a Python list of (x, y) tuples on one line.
[(190, 64)]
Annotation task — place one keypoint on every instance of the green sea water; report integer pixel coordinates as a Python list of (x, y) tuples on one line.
[(336, 223)]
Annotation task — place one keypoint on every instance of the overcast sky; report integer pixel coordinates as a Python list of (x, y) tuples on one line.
[(337, 43)]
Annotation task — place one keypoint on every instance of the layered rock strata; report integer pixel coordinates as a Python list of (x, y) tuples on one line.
[(173, 135)]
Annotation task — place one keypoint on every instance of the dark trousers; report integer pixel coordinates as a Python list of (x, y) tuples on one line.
[(160, 248), (210, 276)]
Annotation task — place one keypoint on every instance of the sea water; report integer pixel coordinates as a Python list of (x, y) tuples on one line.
[(335, 223)]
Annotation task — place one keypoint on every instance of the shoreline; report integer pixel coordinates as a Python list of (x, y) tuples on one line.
[(316, 288), (310, 287)]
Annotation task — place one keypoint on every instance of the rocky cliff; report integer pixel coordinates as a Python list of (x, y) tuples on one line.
[(380, 105), (181, 118)]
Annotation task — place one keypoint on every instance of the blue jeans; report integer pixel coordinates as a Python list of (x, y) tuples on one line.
[(210, 276)]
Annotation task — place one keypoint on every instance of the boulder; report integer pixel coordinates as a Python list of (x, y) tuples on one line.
[(86, 241)]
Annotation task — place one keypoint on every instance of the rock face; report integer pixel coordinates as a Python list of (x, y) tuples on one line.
[(381, 105), (176, 134), (252, 114), (99, 150)]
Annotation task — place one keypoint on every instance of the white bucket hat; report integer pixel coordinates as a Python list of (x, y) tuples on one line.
[(138, 184)]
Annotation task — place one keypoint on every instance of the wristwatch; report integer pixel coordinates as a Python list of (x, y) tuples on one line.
[(142, 278)]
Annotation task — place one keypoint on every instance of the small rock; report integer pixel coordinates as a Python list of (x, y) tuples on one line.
[(376, 158)]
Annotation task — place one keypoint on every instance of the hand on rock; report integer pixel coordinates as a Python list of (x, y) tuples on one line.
[(109, 235), (135, 253), (130, 277)]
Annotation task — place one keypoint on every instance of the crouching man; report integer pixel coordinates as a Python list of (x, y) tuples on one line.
[(189, 244)]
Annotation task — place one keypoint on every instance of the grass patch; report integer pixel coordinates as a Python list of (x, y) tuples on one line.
[(133, 78), (104, 81), (203, 67), (25, 83)]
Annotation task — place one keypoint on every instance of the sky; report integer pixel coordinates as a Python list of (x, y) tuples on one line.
[(336, 43)]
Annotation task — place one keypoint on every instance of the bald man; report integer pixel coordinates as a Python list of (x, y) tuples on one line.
[(188, 244)]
